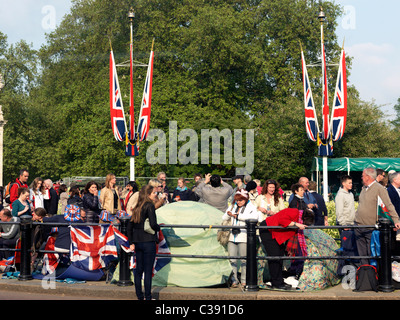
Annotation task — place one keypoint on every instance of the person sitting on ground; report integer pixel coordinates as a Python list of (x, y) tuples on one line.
[(181, 193), (40, 233), (9, 233), (72, 214)]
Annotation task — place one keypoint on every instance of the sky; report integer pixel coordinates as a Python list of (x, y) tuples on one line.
[(368, 27)]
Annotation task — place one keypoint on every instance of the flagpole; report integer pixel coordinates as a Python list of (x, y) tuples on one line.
[(131, 16), (321, 17)]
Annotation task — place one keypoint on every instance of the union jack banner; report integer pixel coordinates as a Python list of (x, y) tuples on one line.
[(309, 108), (116, 106), (339, 112), (325, 103), (145, 111), (122, 240), (92, 247), (50, 260)]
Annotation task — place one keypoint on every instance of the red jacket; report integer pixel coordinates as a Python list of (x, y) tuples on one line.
[(282, 219), (14, 190)]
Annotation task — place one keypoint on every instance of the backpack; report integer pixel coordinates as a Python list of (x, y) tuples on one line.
[(366, 278), (7, 192)]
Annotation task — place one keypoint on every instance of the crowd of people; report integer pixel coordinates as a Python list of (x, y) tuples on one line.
[(247, 199)]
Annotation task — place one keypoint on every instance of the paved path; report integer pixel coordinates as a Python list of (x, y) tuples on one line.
[(102, 290)]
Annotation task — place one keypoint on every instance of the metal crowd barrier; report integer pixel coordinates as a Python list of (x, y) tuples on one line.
[(385, 258)]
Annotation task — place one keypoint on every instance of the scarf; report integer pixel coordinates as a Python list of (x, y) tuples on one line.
[(296, 245), (127, 198)]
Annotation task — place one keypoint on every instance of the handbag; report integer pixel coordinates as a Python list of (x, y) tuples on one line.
[(223, 234), (147, 227)]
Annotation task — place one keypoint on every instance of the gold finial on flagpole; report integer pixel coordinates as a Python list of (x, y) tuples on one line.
[(131, 15), (321, 15)]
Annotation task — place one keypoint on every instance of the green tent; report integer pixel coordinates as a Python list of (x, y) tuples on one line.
[(192, 272)]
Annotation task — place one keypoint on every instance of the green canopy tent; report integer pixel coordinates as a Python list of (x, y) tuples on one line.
[(350, 166)]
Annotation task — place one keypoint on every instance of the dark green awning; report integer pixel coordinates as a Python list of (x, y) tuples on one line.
[(356, 164)]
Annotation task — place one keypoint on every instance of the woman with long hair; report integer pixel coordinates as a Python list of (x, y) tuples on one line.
[(143, 241), (90, 202), (270, 201), (37, 191), (109, 196)]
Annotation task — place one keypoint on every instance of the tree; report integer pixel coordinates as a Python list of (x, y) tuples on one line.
[(18, 67), (218, 65)]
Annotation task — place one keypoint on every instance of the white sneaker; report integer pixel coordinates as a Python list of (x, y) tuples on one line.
[(292, 281)]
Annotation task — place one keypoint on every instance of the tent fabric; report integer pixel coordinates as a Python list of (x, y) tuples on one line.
[(192, 272), (356, 164), (319, 274)]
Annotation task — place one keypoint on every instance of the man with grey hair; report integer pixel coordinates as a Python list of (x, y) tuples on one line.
[(394, 191), (51, 198), (366, 214)]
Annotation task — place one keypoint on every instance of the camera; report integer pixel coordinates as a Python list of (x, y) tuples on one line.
[(235, 231)]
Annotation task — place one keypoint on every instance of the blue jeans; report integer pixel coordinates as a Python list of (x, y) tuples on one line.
[(145, 257)]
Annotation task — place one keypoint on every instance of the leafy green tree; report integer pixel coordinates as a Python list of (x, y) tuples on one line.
[(218, 65)]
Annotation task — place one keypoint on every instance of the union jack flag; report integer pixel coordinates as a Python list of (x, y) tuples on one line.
[(50, 260), (339, 112), (116, 106), (145, 111), (92, 247), (310, 114), (122, 240)]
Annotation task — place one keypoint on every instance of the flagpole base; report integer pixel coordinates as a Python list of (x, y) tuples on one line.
[(124, 283)]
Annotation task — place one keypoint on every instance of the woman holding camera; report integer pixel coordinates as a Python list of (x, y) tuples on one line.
[(241, 210)]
